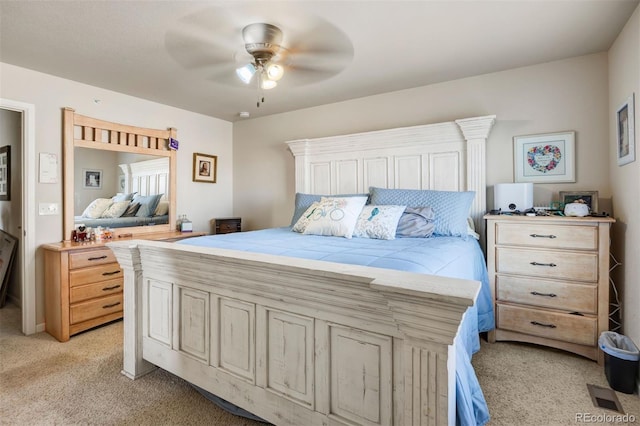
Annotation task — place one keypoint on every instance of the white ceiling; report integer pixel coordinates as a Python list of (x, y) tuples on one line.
[(147, 48)]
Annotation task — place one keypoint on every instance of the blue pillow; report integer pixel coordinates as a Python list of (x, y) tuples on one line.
[(451, 208), (304, 201), (148, 204)]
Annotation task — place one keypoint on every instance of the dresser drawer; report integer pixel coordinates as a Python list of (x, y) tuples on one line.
[(90, 291), (549, 294), (551, 325), (94, 274), (546, 263), (581, 237), (95, 308), (93, 257)]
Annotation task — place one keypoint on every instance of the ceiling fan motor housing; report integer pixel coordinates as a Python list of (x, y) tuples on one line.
[(262, 41)]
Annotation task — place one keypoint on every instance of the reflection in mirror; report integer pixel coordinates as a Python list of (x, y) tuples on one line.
[(119, 177)]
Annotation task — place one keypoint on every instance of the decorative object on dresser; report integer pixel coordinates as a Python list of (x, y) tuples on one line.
[(227, 225), (511, 197), (550, 280), (625, 126), (544, 158), (590, 198)]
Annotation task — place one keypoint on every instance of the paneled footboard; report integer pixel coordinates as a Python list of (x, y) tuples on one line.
[(295, 341)]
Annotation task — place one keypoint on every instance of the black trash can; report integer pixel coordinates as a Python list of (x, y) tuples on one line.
[(621, 359)]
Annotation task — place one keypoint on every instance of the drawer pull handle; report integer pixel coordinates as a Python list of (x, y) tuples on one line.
[(113, 287), (116, 304), (535, 293), (110, 273), (98, 258), (543, 264), (542, 236), (543, 325)]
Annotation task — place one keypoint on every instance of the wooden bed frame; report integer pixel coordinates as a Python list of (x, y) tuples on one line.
[(298, 341)]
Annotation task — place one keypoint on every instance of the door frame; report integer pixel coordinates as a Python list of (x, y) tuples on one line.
[(28, 147)]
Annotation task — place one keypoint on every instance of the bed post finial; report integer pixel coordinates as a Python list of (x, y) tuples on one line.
[(476, 131)]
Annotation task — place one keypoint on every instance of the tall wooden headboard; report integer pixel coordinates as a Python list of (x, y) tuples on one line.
[(447, 156)]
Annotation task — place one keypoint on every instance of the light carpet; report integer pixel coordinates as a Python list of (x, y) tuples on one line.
[(45, 382)]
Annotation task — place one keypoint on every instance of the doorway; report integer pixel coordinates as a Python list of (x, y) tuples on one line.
[(23, 227)]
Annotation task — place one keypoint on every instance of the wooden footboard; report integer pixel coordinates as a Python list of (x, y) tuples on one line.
[(295, 341)]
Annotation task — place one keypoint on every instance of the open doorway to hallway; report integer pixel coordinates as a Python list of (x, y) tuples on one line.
[(11, 208), (18, 214)]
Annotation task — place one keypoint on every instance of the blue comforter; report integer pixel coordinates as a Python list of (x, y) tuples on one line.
[(445, 256)]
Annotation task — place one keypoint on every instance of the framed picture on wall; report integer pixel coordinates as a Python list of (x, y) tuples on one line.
[(91, 179), (626, 138), (5, 173), (204, 167), (544, 158)]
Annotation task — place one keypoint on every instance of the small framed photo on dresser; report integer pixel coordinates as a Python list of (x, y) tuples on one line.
[(590, 198)]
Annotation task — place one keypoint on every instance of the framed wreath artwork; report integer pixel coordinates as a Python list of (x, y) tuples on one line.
[(545, 158)]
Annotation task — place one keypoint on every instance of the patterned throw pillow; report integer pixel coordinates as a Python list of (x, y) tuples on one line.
[(451, 208), (304, 201), (116, 209), (378, 222), (131, 210), (96, 208), (305, 218), (335, 216)]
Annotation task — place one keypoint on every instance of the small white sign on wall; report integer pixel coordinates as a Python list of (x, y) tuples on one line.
[(48, 168)]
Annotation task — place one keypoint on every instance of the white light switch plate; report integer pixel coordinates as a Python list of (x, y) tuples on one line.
[(48, 209)]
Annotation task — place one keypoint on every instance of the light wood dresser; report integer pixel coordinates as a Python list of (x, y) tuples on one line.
[(83, 284), (550, 280)]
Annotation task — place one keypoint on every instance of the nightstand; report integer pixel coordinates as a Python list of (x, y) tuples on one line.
[(550, 280), (227, 225)]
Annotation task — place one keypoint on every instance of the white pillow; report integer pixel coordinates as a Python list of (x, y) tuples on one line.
[(305, 218), (335, 216), (162, 209), (378, 222), (96, 208), (116, 209)]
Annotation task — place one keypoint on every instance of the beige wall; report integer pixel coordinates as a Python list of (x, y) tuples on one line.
[(570, 94), (624, 79), (196, 133)]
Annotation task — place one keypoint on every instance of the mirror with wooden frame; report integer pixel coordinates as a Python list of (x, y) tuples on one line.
[(106, 164)]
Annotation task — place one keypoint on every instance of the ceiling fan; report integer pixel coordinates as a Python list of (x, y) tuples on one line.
[(236, 47), (263, 42)]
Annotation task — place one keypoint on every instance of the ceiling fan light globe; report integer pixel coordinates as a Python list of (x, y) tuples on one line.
[(245, 73), (275, 72), (268, 84)]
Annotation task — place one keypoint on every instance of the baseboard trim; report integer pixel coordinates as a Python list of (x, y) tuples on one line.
[(40, 327)]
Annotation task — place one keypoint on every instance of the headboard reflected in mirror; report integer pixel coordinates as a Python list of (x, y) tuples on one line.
[(110, 163)]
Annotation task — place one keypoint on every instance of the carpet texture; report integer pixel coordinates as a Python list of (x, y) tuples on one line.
[(45, 382)]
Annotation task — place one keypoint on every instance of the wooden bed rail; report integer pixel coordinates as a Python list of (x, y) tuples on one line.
[(295, 341)]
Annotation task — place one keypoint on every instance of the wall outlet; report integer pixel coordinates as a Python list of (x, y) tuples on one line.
[(48, 209)]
